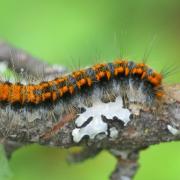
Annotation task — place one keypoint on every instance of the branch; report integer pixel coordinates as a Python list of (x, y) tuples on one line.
[(18, 59), (148, 126)]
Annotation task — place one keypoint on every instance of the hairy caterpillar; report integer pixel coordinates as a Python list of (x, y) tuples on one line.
[(72, 97), (55, 89)]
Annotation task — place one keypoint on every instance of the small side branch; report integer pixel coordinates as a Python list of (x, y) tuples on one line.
[(18, 59), (127, 166), (83, 154)]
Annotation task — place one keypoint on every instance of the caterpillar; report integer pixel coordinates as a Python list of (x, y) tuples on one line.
[(85, 96), (57, 88)]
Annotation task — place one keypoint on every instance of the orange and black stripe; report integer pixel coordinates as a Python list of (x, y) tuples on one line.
[(54, 89)]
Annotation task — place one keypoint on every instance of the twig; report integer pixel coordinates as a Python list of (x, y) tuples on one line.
[(126, 168), (18, 59)]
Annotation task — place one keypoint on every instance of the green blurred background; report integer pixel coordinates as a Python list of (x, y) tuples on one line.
[(85, 32)]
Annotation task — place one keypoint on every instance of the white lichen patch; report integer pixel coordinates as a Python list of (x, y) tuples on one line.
[(96, 126), (113, 133), (109, 110), (92, 129), (173, 130)]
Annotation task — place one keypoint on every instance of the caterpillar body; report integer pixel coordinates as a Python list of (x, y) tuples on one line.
[(85, 96), (55, 89)]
